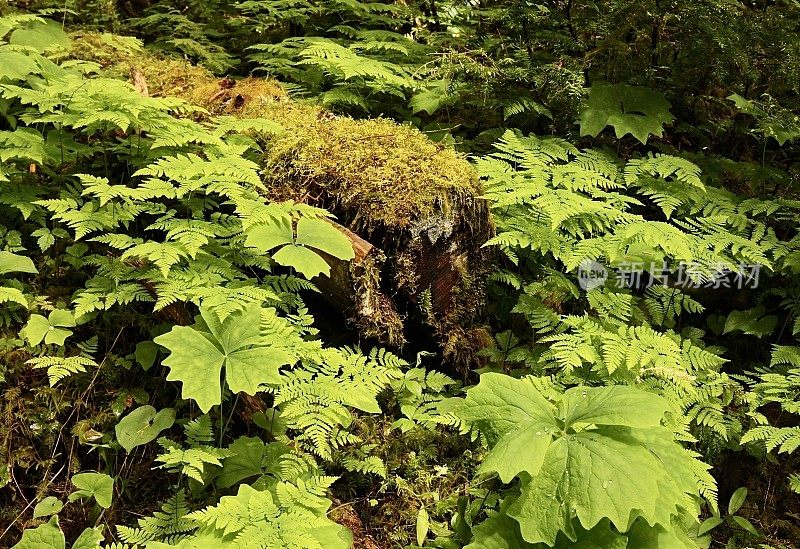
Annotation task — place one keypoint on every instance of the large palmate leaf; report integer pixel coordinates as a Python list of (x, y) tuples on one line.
[(598, 453), (644, 536), (517, 420), (501, 531), (199, 353), (90, 538), (251, 457), (299, 252), (633, 110), (498, 532)]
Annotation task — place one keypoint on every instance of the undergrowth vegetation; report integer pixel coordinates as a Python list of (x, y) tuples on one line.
[(171, 376)]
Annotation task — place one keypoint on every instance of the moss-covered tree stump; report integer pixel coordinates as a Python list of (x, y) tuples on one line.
[(410, 206)]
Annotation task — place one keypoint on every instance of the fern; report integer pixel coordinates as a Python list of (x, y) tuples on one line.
[(291, 516), (315, 398), (557, 200), (12, 295), (154, 201), (169, 525), (346, 64), (147, 209), (664, 167), (664, 305), (59, 368), (782, 439), (783, 389), (192, 459), (794, 483), (199, 431), (420, 395), (365, 464)]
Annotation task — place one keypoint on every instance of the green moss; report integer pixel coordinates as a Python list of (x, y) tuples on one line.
[(381, 173), (120, 56), (375, 313)]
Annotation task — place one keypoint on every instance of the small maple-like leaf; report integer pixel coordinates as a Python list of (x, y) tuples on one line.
[(300, 251)]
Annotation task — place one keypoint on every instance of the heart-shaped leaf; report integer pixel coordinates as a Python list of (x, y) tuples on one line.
[(48, 506), (143, 425), (93, 485)]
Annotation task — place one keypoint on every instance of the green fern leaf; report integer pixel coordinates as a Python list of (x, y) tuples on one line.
[(249, 516), (169, 524), (59, 368)]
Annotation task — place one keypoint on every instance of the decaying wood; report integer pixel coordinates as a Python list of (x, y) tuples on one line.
[(354, 287), (139, 82), (419, 263), (345, 515)]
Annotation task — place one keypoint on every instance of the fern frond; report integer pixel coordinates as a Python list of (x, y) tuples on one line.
[(168, 525), (59, 368)]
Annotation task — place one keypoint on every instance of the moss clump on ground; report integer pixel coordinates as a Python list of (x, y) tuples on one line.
[(118, 56), (378, 174), (383, 174)]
